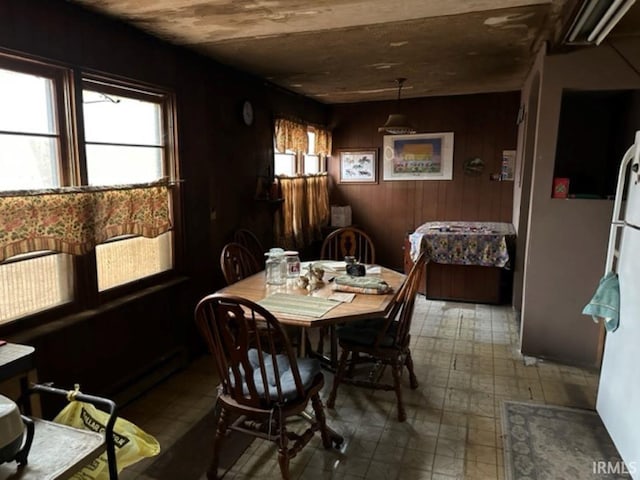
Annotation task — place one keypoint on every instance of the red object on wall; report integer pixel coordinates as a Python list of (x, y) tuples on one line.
[(560, 187)]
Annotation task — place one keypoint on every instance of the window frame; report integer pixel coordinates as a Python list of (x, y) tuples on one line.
[(67, 85), (145, 92), (62, 78), (299, 158)]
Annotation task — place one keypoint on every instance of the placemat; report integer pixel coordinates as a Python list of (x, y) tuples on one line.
[(298, 304)]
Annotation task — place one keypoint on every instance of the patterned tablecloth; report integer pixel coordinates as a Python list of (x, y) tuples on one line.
[(465, 243)]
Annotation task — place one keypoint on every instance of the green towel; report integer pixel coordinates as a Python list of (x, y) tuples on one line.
[(606, 302)]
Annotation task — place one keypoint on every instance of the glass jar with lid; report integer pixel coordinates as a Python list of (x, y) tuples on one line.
[(292, 260), (275, 273)]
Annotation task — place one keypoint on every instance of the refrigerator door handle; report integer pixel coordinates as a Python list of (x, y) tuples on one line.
[(616, 222)]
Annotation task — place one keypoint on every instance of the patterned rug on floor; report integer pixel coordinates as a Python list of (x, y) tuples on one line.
[(544, 442), (189, 457)]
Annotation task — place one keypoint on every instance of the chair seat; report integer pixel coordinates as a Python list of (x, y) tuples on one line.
[(308, 368), (365, 332)]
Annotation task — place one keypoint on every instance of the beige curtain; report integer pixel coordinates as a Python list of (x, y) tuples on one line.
[(323, 142), (304, 212), (317, 205), (291, 135), (75, 220)]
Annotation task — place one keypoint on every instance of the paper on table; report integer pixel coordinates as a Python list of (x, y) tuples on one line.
[(342, 297), (374, 269), (333, 265)]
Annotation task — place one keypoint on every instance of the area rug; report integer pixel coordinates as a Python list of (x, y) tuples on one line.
[(189, 457), (545, 442)]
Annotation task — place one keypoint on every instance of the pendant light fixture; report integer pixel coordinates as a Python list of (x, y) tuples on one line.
[(397, 123)]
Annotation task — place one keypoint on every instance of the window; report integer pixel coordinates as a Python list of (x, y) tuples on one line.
[(124, 131), (285, 164), (123, 135), (311, 159), (307, 163), (32, 146)]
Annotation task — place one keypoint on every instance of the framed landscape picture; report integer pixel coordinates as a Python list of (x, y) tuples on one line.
[(424, 156), (359, 165)]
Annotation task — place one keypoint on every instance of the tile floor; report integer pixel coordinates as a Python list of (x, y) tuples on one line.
[(467, 361)]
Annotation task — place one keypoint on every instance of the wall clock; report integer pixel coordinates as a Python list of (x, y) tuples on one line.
[(247, 112)]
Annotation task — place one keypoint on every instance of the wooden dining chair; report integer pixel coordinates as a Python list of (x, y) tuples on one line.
[(237, 263), (262, 383), (345, 241), (382, 341), (348, 241), (248, 239)]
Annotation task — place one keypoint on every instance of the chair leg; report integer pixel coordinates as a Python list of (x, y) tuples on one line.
[(283, 450), (221, 430), (396, 369), (413, 380), (355, 355), (337, 379), (316, 403)]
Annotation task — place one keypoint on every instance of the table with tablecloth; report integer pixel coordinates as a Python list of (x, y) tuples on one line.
[(472, 244)]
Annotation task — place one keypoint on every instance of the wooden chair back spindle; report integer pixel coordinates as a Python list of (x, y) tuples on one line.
[(232, 326), (248, 240), (237, 263), (348, 241)]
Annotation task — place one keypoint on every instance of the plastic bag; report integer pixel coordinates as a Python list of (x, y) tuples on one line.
[(132, 443)]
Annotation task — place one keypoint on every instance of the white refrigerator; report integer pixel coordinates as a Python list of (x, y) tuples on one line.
[(618, 402)]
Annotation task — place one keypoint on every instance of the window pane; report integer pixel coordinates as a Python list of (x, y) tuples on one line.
[(284, 164), (35, 284), (28, 162), (113, 119), (311, 164), (26, 103), (127, 260), (114, 165)]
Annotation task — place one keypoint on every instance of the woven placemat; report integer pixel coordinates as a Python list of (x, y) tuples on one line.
[(298, 304)]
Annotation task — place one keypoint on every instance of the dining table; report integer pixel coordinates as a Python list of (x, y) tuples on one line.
[(323, 306)]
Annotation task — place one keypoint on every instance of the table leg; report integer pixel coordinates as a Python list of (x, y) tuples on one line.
[(302, 350), (333, 354), (24, 387)]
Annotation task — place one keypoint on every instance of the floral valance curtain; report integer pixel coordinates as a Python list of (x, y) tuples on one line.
[(75, 220), (291, 135), (323, 142), (304, 212)]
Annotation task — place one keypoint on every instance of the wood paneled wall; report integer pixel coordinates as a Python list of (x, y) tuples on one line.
[(107, 349), (483, 125)]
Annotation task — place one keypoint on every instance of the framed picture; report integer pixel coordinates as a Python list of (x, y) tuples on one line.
[(423, 156), (508, 165), (359, 165)]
